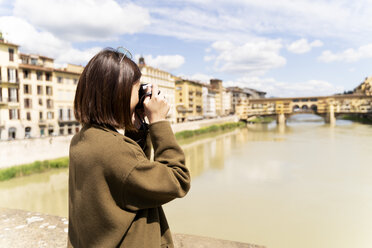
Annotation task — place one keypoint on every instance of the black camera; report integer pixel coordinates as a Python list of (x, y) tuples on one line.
[(144, 91)]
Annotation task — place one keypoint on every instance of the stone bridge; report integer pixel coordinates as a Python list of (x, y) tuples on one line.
[(329, 107)]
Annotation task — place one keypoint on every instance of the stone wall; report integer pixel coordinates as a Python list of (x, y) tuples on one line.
[(19, 229)]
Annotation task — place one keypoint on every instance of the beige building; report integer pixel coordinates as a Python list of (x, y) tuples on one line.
[(217, 88), (164, 80), (37, 95), (65, 82), (10, 120), (209, 102), (365, 88), (36, 100), (189, 100)]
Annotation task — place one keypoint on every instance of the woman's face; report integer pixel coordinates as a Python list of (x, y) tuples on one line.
[(134, 97)]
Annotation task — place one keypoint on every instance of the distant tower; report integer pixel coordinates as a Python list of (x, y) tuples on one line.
[(141, 61)]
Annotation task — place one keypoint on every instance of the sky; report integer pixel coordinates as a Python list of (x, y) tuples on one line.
[(283, 47)]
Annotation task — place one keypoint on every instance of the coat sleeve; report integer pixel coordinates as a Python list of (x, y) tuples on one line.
[(154, 183)]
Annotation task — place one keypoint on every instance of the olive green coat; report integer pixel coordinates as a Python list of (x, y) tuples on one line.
[(116, 193)]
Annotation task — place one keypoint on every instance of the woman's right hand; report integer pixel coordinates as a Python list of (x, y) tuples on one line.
[(156, 106)]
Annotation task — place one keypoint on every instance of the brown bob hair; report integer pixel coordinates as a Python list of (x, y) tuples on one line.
[(104, 90)]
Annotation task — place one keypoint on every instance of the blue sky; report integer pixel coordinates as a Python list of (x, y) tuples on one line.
[(283, 47)]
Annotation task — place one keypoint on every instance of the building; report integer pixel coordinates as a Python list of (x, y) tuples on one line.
[(226, 102), (65, 81), (164, 80), (37, 96), (209, 102), (255, 94), (217, 88), (365, 88), (189, 100), (10, 116), (36, 99)]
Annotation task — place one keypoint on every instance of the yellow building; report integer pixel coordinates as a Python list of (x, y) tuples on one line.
[(10, 123), (189, 100), (164, 80)]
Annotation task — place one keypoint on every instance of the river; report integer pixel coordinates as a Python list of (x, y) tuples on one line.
[(304, 185)]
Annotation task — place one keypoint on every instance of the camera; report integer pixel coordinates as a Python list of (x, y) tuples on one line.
[(144, 91)]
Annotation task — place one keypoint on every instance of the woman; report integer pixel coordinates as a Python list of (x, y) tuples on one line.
[(115, 192)]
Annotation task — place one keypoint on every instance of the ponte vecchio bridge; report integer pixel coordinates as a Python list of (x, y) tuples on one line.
[(329, 107)]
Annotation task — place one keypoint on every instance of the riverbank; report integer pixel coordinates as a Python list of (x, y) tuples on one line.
[(363, 120), (261, 120), (45, 165), (28, 229)]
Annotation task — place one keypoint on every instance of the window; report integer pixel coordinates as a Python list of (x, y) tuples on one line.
[(75, 81), (60, 114), (39, 75), (13, 94), (28, 116), (11, 54), (24, 60), (49, 91), (69, 114), (48, 76), (41, 115), (60, 80), (49, 103), (40, 102), (11, 75), (39, 90), (28, 103), (13, 114), (50, 115), (61, 131), (26, 74), (33, 61), (27, 89), (0, 74)]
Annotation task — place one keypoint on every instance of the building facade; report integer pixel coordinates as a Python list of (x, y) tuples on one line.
[(65, 81), (164, 80), (209, 102), (10, 114), (36, 100), (189, 100)]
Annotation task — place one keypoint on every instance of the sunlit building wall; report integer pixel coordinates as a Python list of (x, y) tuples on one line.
[(164, 80), (10, 114)]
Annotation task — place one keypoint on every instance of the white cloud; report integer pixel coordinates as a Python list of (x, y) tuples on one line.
[(348, 55), (31, 40), (164, 62), (303, 46), (285, 89), (254, 58), (244, 19), (83, 20), (201, 77)]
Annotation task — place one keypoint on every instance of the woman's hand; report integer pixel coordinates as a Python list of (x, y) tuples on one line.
[(156, 106)]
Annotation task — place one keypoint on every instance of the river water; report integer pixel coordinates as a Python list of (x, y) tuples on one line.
[(304, 185)]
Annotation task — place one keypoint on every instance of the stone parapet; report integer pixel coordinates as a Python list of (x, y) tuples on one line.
[(19, 229)]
